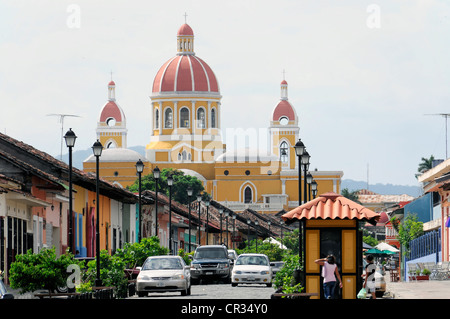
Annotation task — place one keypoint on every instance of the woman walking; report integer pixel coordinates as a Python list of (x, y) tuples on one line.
[(330, 274)]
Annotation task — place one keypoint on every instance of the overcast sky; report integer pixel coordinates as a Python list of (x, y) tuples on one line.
[(362, 74)]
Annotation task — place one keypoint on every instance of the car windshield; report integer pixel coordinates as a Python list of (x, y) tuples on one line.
[(162, 263), (213, 253), (252, 260)]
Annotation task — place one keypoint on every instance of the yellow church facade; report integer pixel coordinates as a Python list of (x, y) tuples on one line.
[(186, 134)]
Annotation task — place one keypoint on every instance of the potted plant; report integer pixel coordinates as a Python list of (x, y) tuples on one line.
[(424, 275)]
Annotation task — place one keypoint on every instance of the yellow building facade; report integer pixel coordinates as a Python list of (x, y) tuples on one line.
[(187, 135)]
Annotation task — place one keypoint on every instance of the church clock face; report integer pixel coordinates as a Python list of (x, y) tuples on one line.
[(284, 121), (111, 121)]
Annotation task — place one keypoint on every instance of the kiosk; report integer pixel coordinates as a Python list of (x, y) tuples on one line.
[(330, 225)]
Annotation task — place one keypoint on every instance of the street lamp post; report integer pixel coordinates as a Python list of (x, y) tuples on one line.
[(97, 149), (299, 151), (305, 162), (226, 226), (139, 170), (314, 188), (199, 200), (248, 233), (309, 179), (233, 238), (156, 173), (170, 183), (256, 232), (220, 214), (207, 219), (70, 138), (189, 192), (268, 224)]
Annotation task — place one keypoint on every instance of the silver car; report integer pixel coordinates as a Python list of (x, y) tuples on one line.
[(164, 274)]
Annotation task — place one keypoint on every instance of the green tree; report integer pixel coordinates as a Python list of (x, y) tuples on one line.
[(112, 273), (369, 240), (411, 228), (425, 164), (180, 184), (134, 254), (290, 240), (351, 195), (271, 250), (43, 270)]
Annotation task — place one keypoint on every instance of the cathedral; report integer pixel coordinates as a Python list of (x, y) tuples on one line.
[(186, 134)]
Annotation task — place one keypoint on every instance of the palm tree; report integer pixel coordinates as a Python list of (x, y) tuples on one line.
[(426, 164)]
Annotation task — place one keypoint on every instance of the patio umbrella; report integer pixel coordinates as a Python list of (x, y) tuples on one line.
[(374, 251), (384, 246)]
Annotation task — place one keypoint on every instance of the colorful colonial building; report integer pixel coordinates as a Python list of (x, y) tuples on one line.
[(186, 134)]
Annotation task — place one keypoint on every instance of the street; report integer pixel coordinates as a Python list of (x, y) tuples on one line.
[(217, 291)]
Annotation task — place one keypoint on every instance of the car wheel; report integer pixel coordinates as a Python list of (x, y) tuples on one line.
[(233, 285), (142, 294), (269, 285)]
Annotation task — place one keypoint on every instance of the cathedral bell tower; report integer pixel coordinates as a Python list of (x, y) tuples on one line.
[(112, 124), (284, 130)]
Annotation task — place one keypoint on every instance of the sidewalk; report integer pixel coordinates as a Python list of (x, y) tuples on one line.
[(422, 289)]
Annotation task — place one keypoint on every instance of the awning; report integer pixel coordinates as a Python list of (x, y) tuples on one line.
[(27, 199), (331, 206)]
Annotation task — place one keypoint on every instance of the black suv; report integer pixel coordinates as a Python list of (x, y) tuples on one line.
[(210, 262)]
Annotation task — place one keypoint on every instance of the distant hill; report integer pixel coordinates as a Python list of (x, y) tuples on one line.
[(383, 189)]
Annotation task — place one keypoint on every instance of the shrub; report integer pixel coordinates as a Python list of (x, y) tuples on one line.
[(284, 280), (31, 272), (135, 254)]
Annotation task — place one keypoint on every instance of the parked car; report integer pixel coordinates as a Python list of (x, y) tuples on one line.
[(4, 294), (252, 269), (163, 274), (276, 266), (210, 262)]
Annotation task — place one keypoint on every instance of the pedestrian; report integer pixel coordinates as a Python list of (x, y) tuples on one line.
[(330, 274), (369, 280)]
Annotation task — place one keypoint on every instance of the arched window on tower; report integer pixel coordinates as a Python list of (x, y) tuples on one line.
[(284, 152), (213, 118), (156, 118), (248, 195), (201, 118), (184, 117), (168, 118)]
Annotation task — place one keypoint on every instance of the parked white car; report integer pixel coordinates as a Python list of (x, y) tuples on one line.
[(252, 269), (164, 273)]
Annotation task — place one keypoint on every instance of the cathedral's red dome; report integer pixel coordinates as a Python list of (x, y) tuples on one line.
[(185, 30), (185, 73), (283, 109)]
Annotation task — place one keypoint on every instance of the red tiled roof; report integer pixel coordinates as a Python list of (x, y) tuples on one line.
[(331, 206)]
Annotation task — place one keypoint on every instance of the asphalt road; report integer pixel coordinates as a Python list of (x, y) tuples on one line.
[(217, 291)]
